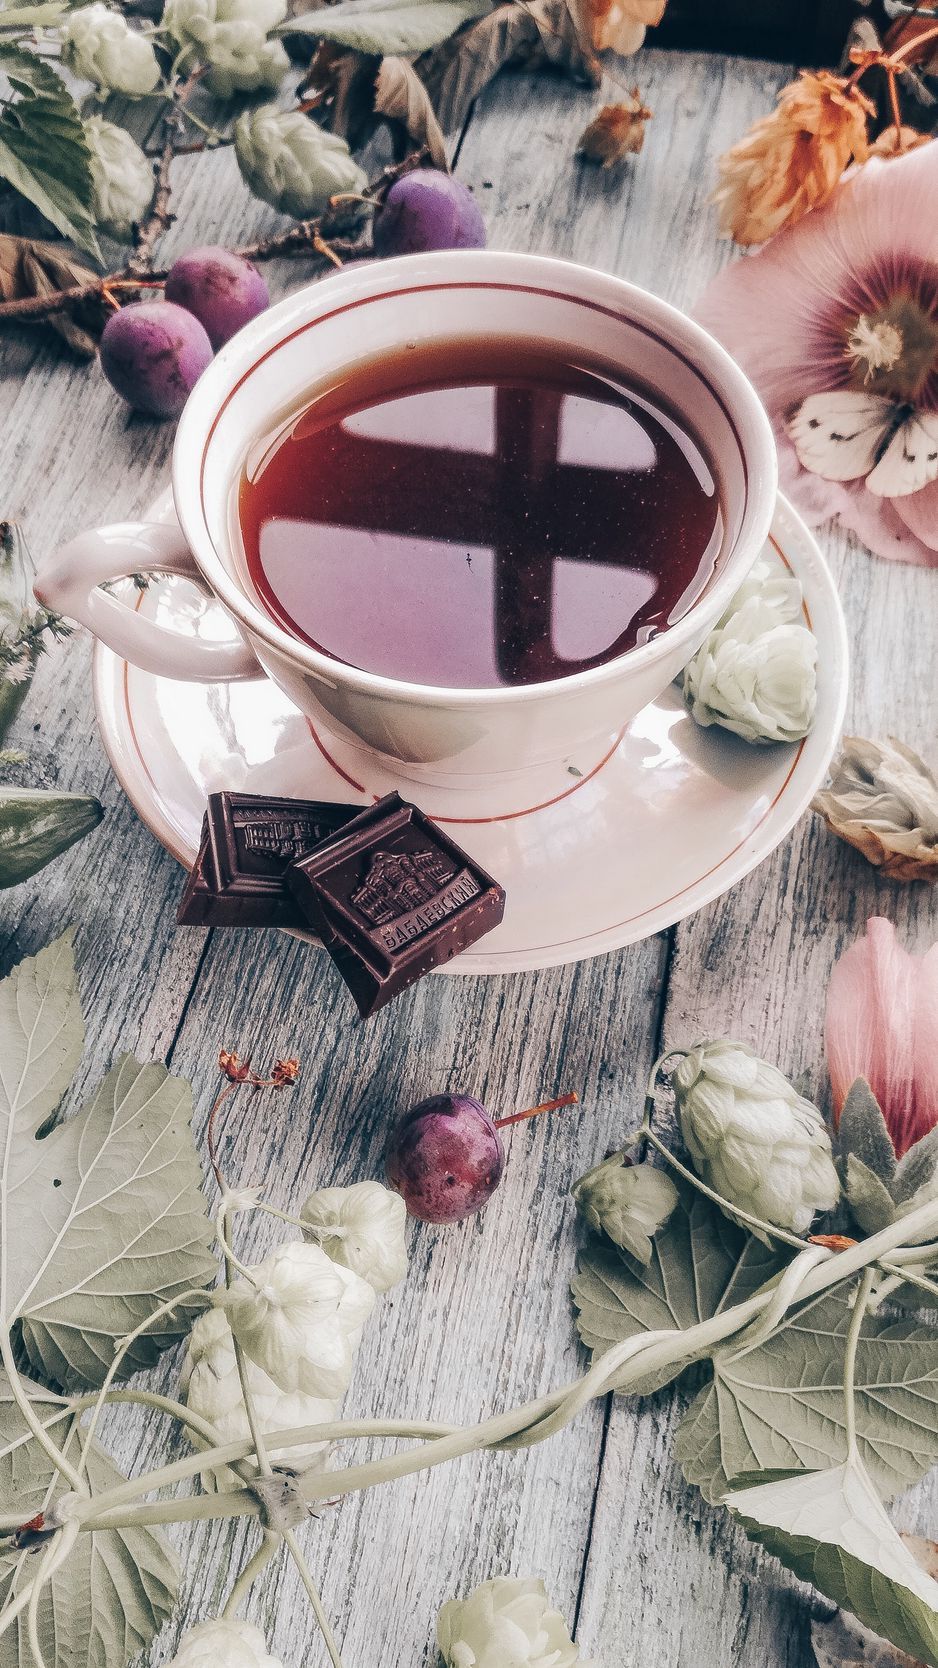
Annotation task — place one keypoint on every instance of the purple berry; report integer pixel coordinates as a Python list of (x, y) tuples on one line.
[(445, 1158), (153, 353), (428, 210), (219, 288)]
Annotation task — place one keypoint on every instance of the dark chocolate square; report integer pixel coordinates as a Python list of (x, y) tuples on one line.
[(392, 897), (248, 843)]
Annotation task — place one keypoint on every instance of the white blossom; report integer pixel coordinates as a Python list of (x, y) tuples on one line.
[(752, 1138), (292, 163), (362, 1227), (506, 1623), (231, 37), (756, 674), (226, 1643), (121, 176), (301, 1320), (212, 1388), (99, 45)]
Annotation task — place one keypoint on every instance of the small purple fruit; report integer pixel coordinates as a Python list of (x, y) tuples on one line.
[(220, 289), (445, 1158), (428, 210), (153, 353)]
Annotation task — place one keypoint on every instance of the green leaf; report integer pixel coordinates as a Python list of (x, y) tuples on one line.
[(830, 1528), (843, 1642), (102, 1219), (700, 1263), (395, 27), (870, 1202), (37, 825), (43, 150), (862, 1131), (117, 1588), (780, 1406), (917, 1168)]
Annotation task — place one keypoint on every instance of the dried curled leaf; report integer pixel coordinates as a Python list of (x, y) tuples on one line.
[(618, 131), (619, 25), (401, 96), (29, 268), (343, 82), (515, 33), (883, 799)]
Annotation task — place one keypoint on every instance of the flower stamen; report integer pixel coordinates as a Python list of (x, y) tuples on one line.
[(875, 346)]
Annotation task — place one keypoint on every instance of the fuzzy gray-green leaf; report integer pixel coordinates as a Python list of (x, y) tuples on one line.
[(862, 1131), (916, 1168), (388, 27), (700, 1263), (101, 1218), (781, 1405), (870, 1202), (117, 1588), (44, 153)]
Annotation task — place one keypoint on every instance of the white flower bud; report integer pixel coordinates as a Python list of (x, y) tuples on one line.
[(779, 591), (212, 1387), (291, 163), (98, 45), (226, 1643), (361, 1227), (121, 175), (302, 1320), (755, 677), (752, 1138), (507, 1623), (230, 36)]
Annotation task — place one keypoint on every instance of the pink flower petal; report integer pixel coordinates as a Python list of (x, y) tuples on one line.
[(919, 512), (926, 1048), (882, 524)]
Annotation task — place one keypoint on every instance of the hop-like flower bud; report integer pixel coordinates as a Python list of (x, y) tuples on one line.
[(755, 677), (627, 1202), (507, 1623), (212, 1387), (752, 1138), (230, 36), (291, 163), (361, 1227), (302, 1320), (226, 1643), (121, 176), (99, 46)]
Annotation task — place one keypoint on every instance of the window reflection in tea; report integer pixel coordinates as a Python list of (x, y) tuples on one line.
[(477, 514)]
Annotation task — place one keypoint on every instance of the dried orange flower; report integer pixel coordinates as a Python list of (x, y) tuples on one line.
[(618, 131), (285, 1072), (233, 1067), (619, 25), (895, 142), (833, 1242), (791, 161)]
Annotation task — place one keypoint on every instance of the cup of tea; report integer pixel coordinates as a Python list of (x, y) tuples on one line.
[(471, 511)]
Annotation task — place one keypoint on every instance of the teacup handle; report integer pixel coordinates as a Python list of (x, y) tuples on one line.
[(68, 584)]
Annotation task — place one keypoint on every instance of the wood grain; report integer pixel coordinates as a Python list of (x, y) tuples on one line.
[(651, 1574)]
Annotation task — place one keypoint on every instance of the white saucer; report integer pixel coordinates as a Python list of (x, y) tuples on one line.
[(607, 851)]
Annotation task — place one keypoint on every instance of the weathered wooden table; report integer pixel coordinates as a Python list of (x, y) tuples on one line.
[(649, 1574)]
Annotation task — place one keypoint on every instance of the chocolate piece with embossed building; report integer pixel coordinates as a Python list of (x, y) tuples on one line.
[(248, 842), (392, 897)]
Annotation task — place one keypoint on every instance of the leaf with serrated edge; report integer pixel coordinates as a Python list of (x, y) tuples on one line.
[(700, 1264), (843, 1642), (386, 27), (102, 1219), (117, 1587), (44, 153), (780, 1406), (830, 1528)]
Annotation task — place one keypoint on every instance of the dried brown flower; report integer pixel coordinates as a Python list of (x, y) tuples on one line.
[(883, 799), (895, 142), (833, 1242), (285, 1073), (233, 1067), (617, 131), (619, 25), (791, 160)]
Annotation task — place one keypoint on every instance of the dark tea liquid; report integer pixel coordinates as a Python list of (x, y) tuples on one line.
[(479, 513)]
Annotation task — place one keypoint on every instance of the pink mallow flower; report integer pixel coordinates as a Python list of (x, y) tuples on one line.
[(882, 1024), (822, 306)]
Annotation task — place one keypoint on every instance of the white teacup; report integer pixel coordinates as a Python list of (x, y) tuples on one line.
[(275, 364)]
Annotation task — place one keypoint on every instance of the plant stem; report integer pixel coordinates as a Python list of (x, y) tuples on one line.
[(850, 1360), (252, 1569), (32, 1615), (745, 1216), (257, 1436), (55, 1554), (35, 1424), (195, 1292), (572, 1099), (312, 1594), (905, 1276)]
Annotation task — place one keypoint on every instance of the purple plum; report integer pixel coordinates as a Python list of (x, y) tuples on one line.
[(220, 289), (428, 210), (445, 1158), (153, 353)]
